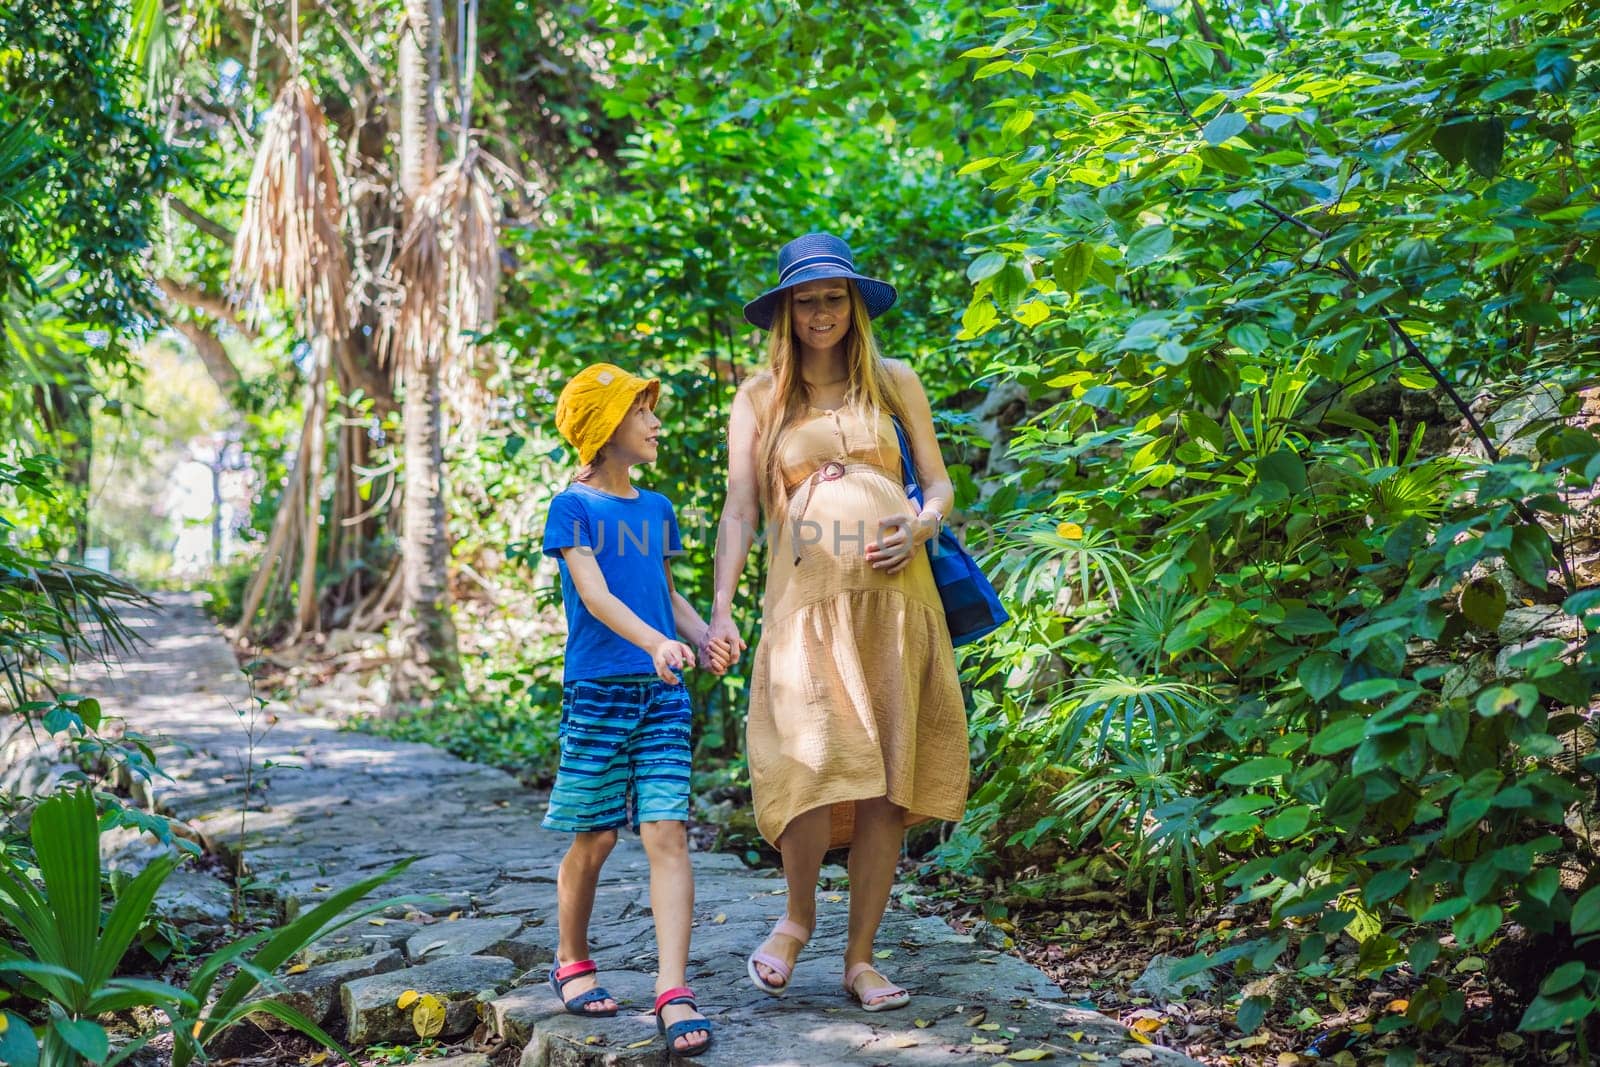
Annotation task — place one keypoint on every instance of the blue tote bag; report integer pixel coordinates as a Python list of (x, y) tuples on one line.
[(972, 608)]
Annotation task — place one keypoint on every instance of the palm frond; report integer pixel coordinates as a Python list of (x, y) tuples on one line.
[(1142, 702), (289, 238)]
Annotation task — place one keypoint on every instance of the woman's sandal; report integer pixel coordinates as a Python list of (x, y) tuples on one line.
[(670, 1034), (786, 927), (561, 974), (892, 995)]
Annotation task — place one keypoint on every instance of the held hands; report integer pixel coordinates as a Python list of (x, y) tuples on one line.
[(721, 647), (671, 656), (899, 537)]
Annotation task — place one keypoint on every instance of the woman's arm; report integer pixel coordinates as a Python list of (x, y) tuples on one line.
[(736, 530), (905, 534), (665, 652)]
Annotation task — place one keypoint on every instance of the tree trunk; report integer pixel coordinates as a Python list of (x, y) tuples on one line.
[(427, 635)]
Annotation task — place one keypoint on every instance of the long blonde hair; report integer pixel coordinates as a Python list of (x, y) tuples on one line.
[(871, 390)]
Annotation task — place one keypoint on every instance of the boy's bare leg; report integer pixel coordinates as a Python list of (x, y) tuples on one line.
[(672, 902), (576, 880)]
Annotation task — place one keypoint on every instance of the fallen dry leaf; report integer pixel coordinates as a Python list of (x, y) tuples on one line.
[(922, 1024), (641, 1044), (991, 1047), (377, 922), (1032, 1054), (299, 968), (427, 1018), (406, 999), (721, 918)]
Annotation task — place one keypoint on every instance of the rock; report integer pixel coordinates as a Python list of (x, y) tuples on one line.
[(517, 898), (357, 940), (191, 897), (474, 1059), (315, 993), (514, 1014), (465, 937), (991, 936), (1522, 623), (369, 1003), (1158, 984)]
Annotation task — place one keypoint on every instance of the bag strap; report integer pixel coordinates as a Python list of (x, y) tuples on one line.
[(908, 466)]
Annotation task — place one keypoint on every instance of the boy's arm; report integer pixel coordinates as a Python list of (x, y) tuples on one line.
[(604, 605), (691, 627)]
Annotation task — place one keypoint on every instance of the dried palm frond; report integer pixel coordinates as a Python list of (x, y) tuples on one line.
[(448, 271), (289, 236)]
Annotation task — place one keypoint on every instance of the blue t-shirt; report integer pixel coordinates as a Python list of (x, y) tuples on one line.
[(631, 540)]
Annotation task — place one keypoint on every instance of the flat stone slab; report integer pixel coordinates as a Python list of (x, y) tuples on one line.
[(336, 807), (465, 937), (372, 1012), (314, 993)]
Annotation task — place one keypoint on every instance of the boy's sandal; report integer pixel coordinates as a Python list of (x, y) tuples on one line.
[(878, 998), (786, 927), (682, 995), (561, 974)]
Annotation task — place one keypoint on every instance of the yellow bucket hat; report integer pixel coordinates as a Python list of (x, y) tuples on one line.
[(594, 402)]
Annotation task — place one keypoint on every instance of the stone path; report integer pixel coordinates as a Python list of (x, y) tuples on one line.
[(332, 807)]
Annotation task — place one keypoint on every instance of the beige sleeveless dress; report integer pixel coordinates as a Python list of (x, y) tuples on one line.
[(854, 693)]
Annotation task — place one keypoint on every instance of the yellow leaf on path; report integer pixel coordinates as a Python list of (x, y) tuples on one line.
[(377, 922), (978, 1018), (299, 968), (320, 1056), (1137, 1036), (1070, 531), (922, 1024), (592, 1039), (1076, 1035), (721, 918), (641, 1044), (1032, 1054), (833, 898), (1091, 1057), (991, 1048), (406, 999), (427, 1018), (901, 1041), (989, 1026), (1148, 1025), (5, 1023), (883, 953), (452, 917)]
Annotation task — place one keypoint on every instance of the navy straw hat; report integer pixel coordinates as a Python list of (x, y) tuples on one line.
[(808, 258)]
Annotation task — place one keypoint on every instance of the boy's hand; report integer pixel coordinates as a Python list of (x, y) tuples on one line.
[(671, 656)]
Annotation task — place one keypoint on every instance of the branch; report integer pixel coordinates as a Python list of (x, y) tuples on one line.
[(212, 354), (201, 222), (1209, 35), (199, 300)]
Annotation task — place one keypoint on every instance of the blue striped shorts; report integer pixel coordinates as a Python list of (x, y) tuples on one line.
[(624, 756)]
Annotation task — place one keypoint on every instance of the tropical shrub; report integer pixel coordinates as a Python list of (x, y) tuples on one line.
[(1317, 647), (74, 944)]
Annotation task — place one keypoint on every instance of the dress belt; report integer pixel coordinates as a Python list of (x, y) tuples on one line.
[(830, 471)]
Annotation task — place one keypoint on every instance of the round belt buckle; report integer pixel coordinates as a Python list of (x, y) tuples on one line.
[(831, 471)]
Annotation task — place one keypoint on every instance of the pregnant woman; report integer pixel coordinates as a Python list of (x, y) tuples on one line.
[(856, 724)]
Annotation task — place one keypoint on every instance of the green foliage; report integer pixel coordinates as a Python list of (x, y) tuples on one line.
[(74, 945), (79, 165), (1250, 281)]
